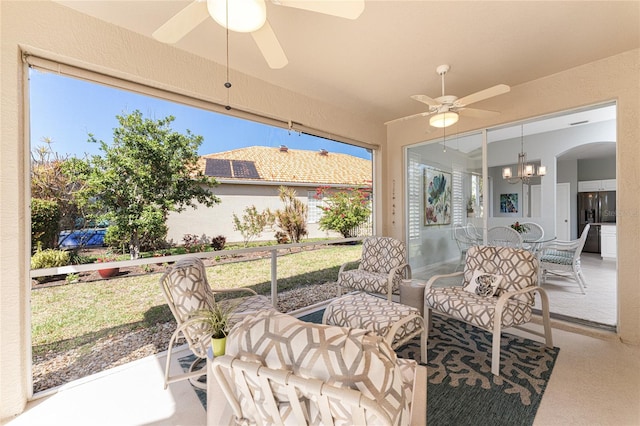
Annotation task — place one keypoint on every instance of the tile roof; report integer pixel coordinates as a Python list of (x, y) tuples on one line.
[(262, 163)]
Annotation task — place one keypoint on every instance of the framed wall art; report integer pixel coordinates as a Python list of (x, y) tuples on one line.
[(437, 197), (509, 203)]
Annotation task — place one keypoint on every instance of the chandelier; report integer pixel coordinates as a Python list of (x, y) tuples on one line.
[(525, 172)]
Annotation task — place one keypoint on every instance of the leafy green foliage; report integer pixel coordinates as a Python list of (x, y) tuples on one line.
[(45, 216), (152, 232), (252, 223), (345, 209), (56, 178), (293, 218), (49, 258), (148, 167)]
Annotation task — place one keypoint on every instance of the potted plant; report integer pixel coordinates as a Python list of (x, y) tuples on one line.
[(520, 227), (470, 204), (107, 272), (216, 321)]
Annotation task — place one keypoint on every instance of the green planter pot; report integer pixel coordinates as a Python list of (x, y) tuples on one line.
[(218, 346)]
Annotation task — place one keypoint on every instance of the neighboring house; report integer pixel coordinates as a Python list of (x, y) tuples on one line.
[(252, 176)]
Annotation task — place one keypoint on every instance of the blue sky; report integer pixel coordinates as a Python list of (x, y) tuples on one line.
[(66, 110)]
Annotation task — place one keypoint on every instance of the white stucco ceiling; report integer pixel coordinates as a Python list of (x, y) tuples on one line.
[(391, 51)]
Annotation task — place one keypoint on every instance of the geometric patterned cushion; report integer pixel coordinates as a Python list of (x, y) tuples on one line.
[(380, 255), (361, 310), (474, 309), (558, 257), (519, 268), (359, 279), (339, 356), (246, 305)]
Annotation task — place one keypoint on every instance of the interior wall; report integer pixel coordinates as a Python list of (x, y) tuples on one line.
[(596, 169), (613, 78), (53, 31)]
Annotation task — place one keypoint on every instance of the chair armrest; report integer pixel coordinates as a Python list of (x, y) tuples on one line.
[(561, 245), (233, 290), (435, 278), (344, 265)]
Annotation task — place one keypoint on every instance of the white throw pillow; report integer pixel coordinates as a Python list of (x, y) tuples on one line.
[(483, 284)]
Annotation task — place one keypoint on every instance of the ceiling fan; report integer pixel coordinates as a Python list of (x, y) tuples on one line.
[(250, 16), (445, 109)]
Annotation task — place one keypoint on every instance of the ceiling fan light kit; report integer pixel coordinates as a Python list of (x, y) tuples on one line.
[(244, 16), (444, 119)]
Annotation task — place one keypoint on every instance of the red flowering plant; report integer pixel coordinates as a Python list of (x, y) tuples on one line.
[(345, 209)]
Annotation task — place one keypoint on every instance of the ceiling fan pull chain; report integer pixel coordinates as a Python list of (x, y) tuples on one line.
[(227, 84)]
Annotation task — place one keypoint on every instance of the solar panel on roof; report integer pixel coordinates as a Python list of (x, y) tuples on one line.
[(244, 169), (218, 168)]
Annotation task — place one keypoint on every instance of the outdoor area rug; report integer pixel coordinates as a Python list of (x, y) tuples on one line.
[(461, 389)]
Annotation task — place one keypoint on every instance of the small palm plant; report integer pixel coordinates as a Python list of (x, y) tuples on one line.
[(216, 320), (216, 323)]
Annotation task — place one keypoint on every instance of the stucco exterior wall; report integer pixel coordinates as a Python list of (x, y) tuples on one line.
[(613, 78), (218, 220), (56, 32)]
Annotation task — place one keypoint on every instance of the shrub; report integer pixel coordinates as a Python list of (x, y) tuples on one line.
[(45, 217), (282, 237), (252, 223), (193, 243), (345, 210), (218, 242), (293, 218), (152, 233), (49, 258)]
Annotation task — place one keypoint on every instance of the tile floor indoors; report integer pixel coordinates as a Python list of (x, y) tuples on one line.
[(596, 381)]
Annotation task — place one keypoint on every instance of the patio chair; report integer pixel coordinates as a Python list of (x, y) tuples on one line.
[(563, 258), (381, 268), (275, 372), (187, 291), (504, 236), (497, 291)]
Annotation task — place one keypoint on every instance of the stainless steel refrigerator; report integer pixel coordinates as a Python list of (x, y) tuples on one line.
[(595, 208)]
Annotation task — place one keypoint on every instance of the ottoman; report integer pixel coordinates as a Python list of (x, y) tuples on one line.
[(395, 322)]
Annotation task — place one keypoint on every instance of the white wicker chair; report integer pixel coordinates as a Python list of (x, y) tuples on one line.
[(380, 269), (504, 236), (511, 305), (186, 290), (464, 240), (563, 258), (532, 236), (275, 372)]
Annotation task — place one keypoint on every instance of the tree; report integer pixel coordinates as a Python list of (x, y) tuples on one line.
[(56, 178), (293, 218), (345, 210), (147, 167), (252, 223)]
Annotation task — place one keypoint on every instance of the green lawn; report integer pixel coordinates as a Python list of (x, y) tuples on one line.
[(74, 315)]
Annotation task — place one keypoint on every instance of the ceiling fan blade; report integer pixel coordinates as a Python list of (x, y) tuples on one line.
[(182, 23), (426, 100), (482, 95), (409, 117), (349, 9), (270, 47), (477, 113)]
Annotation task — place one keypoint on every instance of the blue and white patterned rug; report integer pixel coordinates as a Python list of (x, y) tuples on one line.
[(461, 389)]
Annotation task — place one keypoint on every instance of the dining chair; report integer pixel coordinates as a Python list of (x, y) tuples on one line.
[(563, 258), (532, 236), (504, 236), (464, 241)]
